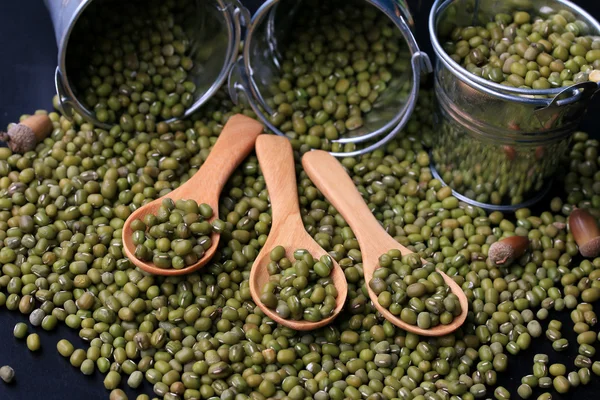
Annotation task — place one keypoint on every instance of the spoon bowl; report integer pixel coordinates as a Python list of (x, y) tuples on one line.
[(235, 142), (330, 178), (276, 160)]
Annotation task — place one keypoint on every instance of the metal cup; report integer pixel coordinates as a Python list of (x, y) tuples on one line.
[(214, 27), (499, 146), (267, 36)]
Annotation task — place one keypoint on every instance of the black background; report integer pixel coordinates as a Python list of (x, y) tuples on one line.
[(27, 63)]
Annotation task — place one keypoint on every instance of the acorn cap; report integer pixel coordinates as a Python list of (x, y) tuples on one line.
[(27, 134), (22, 139), (507, 250), (590, 249)]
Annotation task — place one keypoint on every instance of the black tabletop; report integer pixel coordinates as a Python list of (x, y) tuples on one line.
[(27, 63)]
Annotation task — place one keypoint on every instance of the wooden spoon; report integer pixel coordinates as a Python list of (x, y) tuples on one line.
[(234, 144), (276, 161), (335, 184)]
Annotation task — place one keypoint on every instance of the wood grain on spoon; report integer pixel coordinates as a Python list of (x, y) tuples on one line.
[(276, 161), (235, 142), (332, 180)]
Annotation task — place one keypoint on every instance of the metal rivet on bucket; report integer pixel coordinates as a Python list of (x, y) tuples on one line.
[(260, 66), (498, 147), (215, 24)]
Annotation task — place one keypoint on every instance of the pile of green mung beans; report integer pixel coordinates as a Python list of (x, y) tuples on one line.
[(176, 237), (200, 336), (301, 289), (414, 292), (131, 65), (525, 50)]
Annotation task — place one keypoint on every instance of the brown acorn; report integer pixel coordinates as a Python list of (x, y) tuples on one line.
[(510, 152), (23, 137), (508, 250), (539, 152), (585, 231)]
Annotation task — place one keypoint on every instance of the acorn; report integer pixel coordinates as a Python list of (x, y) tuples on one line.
[(585, 231), (539, 152), (510, 152), (25, 136), (508, 250)]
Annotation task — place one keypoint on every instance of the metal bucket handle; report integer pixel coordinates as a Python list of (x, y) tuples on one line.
[(398, 11)]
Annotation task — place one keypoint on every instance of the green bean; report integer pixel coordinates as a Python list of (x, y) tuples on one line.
[(524, 391), (112, 380), (87, 367), (65, 348), (33, 342), (117, 394), (20, 330), (7, 374), (561, 384)]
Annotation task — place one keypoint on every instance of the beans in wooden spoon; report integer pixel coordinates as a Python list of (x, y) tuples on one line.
[(235, 142), (276, 161), (336, 185)]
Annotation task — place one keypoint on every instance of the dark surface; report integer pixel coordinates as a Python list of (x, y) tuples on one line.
[(28, 61)]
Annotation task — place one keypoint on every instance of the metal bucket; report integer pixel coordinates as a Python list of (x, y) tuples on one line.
[(267, 36), (499, 146), (215, 24)]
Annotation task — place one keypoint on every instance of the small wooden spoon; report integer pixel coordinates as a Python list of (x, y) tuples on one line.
[(276, 161), (234, 144), (335, 184)]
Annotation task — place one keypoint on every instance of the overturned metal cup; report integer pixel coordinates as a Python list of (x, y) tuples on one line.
[(272, 29), (214, 27), (499, 146)]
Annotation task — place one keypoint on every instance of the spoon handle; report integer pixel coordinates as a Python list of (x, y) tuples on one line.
[(235, 142), (276, 160), (336, 185)]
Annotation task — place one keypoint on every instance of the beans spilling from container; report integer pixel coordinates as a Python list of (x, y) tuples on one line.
[(176, 237), (200, 336), (414, 292), (342, 58), (131, 64), (301, 289), (525, 50)]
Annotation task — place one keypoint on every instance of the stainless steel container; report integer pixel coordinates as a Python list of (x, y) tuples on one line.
[(498, 147), (267, 36), (215, 28)]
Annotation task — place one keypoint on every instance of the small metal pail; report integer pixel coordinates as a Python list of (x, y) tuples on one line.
[(272, 28), (215, 25), (498, 147)]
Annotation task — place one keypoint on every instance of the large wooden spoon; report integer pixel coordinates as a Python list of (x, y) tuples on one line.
[(276, 161), (332, 180), (234, 144)]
